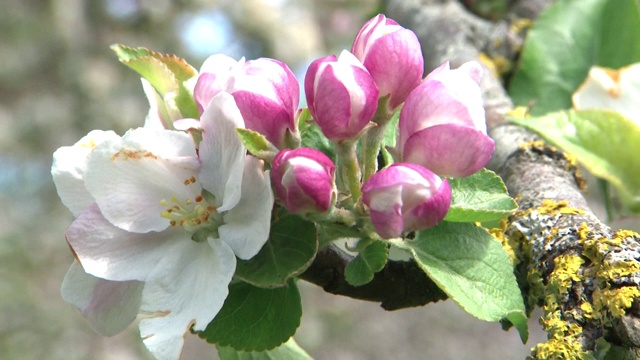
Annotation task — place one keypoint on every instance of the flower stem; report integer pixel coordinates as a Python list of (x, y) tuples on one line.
[(373, 139), (348, 179)]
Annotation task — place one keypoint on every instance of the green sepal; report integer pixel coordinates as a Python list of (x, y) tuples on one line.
[(369, 261), (479, 197), (290, 350), (255, 319), (257, 144), (292, 246), (391, 133), (472, 268)]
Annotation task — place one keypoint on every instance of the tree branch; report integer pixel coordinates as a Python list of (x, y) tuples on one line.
[(400, 284), (585, 276)]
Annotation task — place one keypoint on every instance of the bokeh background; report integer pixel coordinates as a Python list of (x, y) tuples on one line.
[(59, 80)]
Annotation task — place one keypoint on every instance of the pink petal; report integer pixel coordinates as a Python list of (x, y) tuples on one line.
[(436, 102), (449, 150)]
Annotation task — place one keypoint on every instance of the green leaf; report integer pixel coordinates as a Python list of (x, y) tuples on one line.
[(520, 321), (604, 142), (165, 72), (287, 351), (390, 135), (255, 319), (292, 246), (312, 136), (473, 269), (620, 37), (256, 143), (329, 232), (566, 40), (369, 261), (479, 197)]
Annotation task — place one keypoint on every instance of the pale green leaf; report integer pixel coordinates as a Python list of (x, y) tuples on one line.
[(479, 197), (369, 261), (292, 246), (165, 72), (287, 351), (472, 268)]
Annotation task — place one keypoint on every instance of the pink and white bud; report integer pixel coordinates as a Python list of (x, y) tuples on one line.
[(304, 180), (215, 75), (265, 90), (341, 95), (442, 124), (268, 95), (405, 197), (393, 56)]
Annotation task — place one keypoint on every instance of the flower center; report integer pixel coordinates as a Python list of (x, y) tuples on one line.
[(191, 214)]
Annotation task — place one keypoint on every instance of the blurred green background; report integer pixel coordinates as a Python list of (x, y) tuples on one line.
[(59, 80)]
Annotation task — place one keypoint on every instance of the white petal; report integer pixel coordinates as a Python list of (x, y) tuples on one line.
[(617, 90), (129, 178), (154, 119), (108, 306), (220, 63), (111, 253), (69, 166), (221, 151), (188, 289), (246, 226)]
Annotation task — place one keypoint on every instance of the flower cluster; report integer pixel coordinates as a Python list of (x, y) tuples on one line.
[(163, 211)]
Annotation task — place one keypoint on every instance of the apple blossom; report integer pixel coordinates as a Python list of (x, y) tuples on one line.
[(617, 90), (266, 92), (393, 56), (405, 197), (164, 225), (341, 95), (442, 124), (304, 180)]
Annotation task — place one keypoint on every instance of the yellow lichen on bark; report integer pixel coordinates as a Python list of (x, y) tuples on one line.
[(562, 334)]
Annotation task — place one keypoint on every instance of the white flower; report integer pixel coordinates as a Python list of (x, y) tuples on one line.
[(164, 225), (617, 90)]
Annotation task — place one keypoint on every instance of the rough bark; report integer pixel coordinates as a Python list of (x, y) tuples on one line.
[(585, 276)]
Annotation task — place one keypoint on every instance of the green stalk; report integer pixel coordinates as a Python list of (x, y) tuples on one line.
[(373, 139), (348, 174)]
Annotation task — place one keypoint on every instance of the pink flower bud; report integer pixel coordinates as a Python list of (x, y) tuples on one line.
[(341, 95), (393, 56), (265, 90), (442, 124), (405, 197), (268, 95), (304, 180), (215, 75)]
